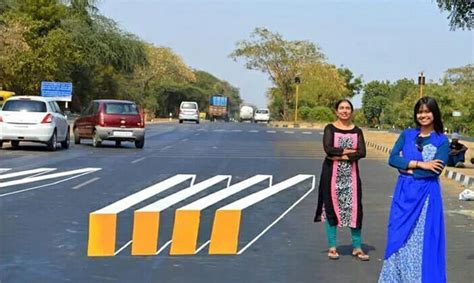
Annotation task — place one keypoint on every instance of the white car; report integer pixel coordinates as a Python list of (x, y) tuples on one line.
[(188, 111), (33, 119), (246, 113), (262, 115)]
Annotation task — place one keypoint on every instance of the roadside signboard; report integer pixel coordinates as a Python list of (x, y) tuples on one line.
[(60, 91)]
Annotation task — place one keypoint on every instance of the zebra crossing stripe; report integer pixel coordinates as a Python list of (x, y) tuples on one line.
[(4, 170), (103, 222), (46, 177), (146, 220), (226, 226), (187, 218), (27, 172)]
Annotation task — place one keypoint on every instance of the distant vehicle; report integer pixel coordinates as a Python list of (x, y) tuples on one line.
[(115, 120), (33, 119), (246, 113), (4, 95), (218, 108), (262, 115), (188, 111)]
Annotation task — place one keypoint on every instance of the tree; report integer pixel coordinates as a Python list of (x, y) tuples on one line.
[(281, 59), (353, 84), (375, 100), (461, 13)]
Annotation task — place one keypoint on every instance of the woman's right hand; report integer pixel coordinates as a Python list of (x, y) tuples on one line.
[(433, 165)]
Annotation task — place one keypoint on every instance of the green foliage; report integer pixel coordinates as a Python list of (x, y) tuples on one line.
[(353, 84), (316, 114), (461, 13), (375, 100), (281, 59)]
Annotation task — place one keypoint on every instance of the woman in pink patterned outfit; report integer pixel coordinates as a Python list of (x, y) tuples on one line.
[(339, 202)]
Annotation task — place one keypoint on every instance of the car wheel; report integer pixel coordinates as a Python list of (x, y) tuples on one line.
[(52, 143), (1, 144), (118, 143), (181, 121), (95, 139), (67, 141), (77, 138), (15, 144), (197, 121), (140, 143)]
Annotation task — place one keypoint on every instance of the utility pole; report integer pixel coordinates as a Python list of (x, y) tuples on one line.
[(421, 83), (297, 82)]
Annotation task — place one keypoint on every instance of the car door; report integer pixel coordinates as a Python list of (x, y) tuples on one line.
[(59, 120), (81, 122)]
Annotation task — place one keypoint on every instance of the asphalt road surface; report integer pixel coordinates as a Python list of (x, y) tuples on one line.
[(215, 202)]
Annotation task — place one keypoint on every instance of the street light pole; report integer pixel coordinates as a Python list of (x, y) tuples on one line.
[(297, 82), (421, 83)]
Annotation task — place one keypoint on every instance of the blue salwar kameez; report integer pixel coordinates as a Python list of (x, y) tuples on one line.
[(415, 250)]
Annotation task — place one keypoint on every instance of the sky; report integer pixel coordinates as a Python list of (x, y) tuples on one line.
[(375, 39)]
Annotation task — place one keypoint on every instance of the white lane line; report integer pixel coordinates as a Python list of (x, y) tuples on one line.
[(86, 183), (27, 172), (289, 132), (122, 248), (175, 198), (138, 160), (219, 130), (214, 198), (166, 147), (236, 131), (184, 140), (307, 133), (321, 133), (45, 185), (46, 177), (202, 247), (253, 131), (278, 219), (197, 134), (265, 193), (144, 194), (4, 170), (163, 247), (271, 132)]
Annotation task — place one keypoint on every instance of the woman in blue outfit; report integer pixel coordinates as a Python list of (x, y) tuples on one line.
[(415, 249)]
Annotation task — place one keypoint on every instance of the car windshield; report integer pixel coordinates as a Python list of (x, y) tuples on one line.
[(262, 111), (24, 106), (120, 108), (188, 105)]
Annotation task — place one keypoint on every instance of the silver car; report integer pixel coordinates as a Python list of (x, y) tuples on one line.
[(33, 119), (188, 111)]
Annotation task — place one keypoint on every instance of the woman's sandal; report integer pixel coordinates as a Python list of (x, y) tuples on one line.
[(360, 255), (332, 253)]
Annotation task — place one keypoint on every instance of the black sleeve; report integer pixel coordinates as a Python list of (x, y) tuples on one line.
[(360, 153), (328, 142)]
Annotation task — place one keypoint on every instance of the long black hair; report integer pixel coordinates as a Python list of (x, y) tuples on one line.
[(432, 105)]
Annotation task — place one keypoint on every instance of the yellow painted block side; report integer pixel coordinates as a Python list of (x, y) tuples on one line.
[(225, 232), (185, 232), (102, 230), (145, 233)]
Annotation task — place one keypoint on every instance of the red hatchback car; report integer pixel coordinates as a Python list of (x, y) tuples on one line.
[(115, 120)]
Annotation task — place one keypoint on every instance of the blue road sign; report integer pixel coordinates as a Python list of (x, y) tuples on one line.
[(59, 90)]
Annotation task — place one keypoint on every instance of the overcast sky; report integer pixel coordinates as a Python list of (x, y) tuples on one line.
[(380, 40)]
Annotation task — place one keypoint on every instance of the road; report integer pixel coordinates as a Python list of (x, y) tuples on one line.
[(58, 210)]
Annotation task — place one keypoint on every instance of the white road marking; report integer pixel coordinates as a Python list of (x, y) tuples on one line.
[(307, 133), (236, 131), (197, 134), (214, 198), (289, 132), (166, 147), (45, 185), (321, 133), (144, 194), (27, 172), (46, 177), (184, 140), (138, 160), (279, 218), (271, 132), (163, 247), (124, 246), (202, 247), (86, 183), (4, 170), (253, 131), (175, 198), (263, 194)]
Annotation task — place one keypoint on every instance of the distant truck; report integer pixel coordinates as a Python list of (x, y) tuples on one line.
[(218, 108), (246, 113)]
